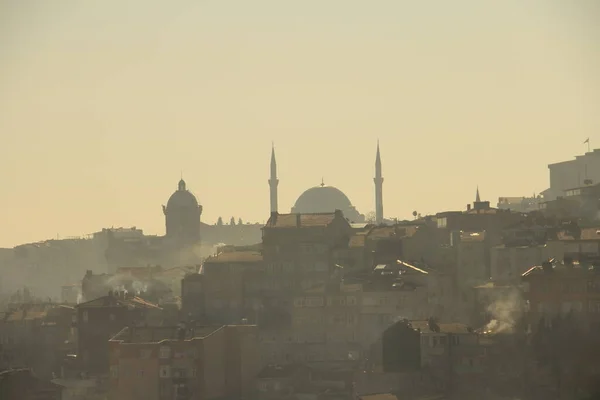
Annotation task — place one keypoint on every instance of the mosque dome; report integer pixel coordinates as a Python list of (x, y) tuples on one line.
[(182, 198), (324, 199)]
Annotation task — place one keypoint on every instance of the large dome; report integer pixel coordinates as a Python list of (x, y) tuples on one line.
[(325, 199), (182, 198)]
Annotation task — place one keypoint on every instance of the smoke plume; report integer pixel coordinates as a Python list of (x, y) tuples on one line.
[(504, 310)]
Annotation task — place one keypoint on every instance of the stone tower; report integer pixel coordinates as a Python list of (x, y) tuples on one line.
[(273, 182), (378, 188)]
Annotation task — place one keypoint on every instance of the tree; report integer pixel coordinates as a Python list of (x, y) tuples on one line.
[(370, 217), (415, 214), (232, 221), (240, 221), (220, 222)]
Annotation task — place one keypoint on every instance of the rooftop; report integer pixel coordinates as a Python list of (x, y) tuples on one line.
[(357, 240), (236, 256), (444, 327), (115, 300), (562, 269), (300, 220), (162, 333), (586, 234), (472, 236)]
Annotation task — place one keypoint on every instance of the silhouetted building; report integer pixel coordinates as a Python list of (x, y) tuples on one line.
[(182, 216), (100, 319), (184, 362), (22, 384), (565, 175)]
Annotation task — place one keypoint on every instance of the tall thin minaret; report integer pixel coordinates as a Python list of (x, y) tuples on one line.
[(378, 188), (477, 197), (273, 182)]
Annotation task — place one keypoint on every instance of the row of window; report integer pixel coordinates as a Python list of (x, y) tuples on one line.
[(439, 340), (568, 306), (312, 337), (165, 371), (305, 266)]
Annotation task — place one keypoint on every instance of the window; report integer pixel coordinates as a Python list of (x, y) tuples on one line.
[(442, 222), (321, 266), (165, 352), (594, 306), (165, 371), (145, 353)]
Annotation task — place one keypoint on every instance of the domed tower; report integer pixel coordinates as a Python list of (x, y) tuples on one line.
[(326, 199), (182, 216)]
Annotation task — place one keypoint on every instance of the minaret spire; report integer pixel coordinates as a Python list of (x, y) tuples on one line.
[(273, 181), (477, 197), (378, 188)]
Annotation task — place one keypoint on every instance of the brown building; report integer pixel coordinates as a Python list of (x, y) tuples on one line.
[(559, 289), (100, 319), (36, 336), (154, 363), (228, 279), (22, 384), (298, 253)]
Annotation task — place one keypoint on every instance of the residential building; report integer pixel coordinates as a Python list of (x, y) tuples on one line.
[(562, 288), (565, 175), (510, 262), (100, 319), (183, 362), (37, 336), (22, 384), (228, 279)]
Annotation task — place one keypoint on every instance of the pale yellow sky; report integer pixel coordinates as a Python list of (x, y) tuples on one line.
[(102, 104)]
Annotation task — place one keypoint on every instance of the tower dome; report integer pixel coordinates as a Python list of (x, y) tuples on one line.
[(182, 198), (182, 216), (326, 199)]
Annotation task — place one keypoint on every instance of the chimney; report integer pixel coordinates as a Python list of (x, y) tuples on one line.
[(547, 266), (298, 220), (568, 261), (468, 207)]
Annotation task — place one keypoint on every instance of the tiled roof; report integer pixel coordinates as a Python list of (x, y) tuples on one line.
[(236, 256), (357, 240), (114, 301), (300, 220), (444, 327), (380, 232)]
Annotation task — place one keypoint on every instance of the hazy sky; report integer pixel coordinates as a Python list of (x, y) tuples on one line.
[(104, 103)]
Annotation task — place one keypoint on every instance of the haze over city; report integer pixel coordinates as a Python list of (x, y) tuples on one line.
[(103, 105)]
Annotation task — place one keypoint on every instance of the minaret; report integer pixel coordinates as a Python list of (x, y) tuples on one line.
[(477, 197), (378, 188), (273, 182)]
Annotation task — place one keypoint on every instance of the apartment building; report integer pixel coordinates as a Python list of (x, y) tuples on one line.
[(183, 362)]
